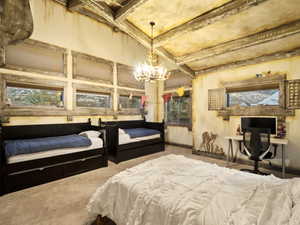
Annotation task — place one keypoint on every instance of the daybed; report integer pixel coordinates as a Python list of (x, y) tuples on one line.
[(175, 190), (130, 139), (31, 154)]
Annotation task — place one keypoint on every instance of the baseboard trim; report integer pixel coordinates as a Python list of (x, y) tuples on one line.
[(277, 168), (179, 145)]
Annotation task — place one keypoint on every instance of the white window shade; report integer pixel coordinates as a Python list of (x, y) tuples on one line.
[(33, 57), (94, 69), (178, 79), (126, 77)]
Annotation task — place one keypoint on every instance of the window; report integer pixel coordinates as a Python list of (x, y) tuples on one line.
[(34, 96), (125, 102), (253, 98), (178, 110), (84, 99)]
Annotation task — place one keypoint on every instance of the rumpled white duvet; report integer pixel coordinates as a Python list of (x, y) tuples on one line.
[(175, 190)]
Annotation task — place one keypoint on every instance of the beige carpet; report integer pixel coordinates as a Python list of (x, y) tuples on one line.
[(63, 202)]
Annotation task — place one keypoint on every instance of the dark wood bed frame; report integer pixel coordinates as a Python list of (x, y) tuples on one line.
[(118, 153), (17, 176)]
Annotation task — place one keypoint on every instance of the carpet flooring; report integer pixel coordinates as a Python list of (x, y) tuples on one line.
[(63, 202)]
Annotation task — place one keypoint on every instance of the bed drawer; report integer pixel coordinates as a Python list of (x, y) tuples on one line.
[(24, 179), (28, 178), (85, 164)]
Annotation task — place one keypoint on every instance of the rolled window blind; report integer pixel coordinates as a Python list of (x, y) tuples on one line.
[(92, 68), (126, 77), (34, 57)]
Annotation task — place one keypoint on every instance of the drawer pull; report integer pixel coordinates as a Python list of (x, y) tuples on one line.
[(82, 160), (41, 169)]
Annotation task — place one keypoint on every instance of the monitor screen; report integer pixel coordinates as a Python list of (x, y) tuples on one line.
[(259, 122)]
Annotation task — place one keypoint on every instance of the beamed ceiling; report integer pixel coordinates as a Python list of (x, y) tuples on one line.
[(204, 35)]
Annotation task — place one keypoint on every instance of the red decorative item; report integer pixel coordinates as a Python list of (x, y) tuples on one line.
[(167, 97), (143, 100)]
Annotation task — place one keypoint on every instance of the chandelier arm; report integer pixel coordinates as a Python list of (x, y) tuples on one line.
[(151, 71)]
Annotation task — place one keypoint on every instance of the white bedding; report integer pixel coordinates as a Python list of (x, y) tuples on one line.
[(96, 143), (125, 138), (174, 190)]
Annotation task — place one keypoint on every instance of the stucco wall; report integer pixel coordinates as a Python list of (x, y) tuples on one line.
[(54, 24), (204, 120), (179, 135)]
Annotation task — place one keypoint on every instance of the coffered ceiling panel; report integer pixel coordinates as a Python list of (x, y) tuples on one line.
[(265, 16), (201, 34), (114, 3), (169, 14), (284, 44)]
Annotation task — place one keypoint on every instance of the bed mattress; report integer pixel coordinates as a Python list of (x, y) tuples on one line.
[(96, 144), (174, 190), (125, 138)]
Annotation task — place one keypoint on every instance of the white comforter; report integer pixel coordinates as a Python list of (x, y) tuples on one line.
[(174, 190)]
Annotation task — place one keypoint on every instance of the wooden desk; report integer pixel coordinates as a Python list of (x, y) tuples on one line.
[(275, 141)]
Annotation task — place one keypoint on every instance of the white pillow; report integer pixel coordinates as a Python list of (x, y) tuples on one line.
[(121, 131), (90, 134)]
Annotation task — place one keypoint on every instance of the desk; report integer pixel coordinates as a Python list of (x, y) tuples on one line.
[(275, 141)]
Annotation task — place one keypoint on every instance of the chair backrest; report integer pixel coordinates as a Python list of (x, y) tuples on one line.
[(256, 140)]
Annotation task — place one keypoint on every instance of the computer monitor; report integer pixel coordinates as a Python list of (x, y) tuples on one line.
[(260, 122)]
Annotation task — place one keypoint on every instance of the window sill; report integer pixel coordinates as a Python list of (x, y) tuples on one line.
[(260, 110), (180, 125), (129, 112)]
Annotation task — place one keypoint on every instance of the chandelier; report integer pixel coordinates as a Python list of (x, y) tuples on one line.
[(151, 71)]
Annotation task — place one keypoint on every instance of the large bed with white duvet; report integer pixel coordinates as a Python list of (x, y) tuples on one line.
[(175, 190)]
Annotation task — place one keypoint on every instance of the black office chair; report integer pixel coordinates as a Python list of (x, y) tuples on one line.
[(257, 147)]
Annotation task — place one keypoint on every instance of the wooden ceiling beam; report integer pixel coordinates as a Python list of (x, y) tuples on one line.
[(129, 8), (183, 68), (73, 5), (229, 9), (245, 42), (252, 61), (105, 12)]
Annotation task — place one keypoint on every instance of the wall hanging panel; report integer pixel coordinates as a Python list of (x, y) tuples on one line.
[(216, 99), (126, 78), (293, 94), (92, 68), (33, 56)]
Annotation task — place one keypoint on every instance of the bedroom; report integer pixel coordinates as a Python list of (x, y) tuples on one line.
[(70, 67)]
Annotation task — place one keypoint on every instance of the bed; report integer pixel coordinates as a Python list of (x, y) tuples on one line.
[(30, 154), (130, 139), (174, 190)]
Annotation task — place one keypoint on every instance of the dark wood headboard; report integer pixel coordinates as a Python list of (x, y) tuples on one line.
[(43, 130), (124, 124)]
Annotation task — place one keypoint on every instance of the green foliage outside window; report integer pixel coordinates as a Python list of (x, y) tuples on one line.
[(125, 102), (93, 100), (178, 111), (23, 96)]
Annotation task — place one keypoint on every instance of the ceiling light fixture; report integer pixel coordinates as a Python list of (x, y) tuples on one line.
[(151, 71)]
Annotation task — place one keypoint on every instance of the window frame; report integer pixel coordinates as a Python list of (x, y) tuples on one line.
[(227, 97), (17, 85), (125, 95), (93, 111), (177, 124), (17, 81), (265, 82), (93, 107), (129, 111)]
